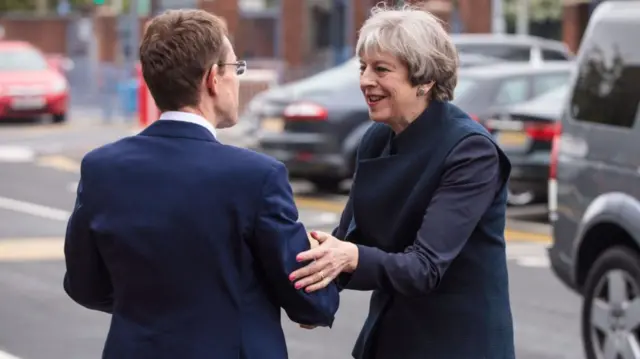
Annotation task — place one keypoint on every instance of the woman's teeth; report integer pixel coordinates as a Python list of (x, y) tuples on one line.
[(375, 98)]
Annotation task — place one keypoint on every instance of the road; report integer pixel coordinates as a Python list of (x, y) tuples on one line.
[(39, 167)]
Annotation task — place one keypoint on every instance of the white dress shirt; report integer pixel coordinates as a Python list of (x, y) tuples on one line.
[(188, 117)]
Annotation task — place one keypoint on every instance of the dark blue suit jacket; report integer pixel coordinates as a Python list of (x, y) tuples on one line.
[(188, 243), (427, 211)]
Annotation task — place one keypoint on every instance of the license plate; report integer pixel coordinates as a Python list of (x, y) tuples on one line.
[(508, 138), (27, 103), (272, 124)]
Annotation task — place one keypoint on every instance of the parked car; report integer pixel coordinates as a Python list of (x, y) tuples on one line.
[(525, 132), (315, 125), (594, 186), (471, 60), (31, 85), (486, 90), (519, 48)]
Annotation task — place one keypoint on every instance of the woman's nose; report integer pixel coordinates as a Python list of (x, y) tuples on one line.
[(366, 79)]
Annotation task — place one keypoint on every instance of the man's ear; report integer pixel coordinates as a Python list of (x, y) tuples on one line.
[(212, 80)]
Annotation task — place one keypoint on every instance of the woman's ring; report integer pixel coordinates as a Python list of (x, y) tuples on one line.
[(321, 275)]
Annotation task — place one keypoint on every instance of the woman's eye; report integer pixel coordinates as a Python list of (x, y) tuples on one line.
[(381, 69), (362, 68)]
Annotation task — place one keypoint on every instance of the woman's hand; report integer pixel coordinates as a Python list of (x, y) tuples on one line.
[(330, 258)]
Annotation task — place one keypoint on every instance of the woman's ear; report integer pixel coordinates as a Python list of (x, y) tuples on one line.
[(424, 89)]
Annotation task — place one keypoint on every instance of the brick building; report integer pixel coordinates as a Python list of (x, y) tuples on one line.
[(287, 33)]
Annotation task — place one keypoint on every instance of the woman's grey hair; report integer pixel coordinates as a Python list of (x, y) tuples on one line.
[(417, 38)]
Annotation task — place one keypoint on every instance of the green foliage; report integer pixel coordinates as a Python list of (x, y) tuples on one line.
[(31, 5), (539, 10)]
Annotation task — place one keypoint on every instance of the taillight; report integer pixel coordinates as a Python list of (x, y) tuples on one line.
[(305, 111), (555, 147), (542, 131)]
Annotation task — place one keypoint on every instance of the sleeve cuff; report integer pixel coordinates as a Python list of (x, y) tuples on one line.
[(364, 277)]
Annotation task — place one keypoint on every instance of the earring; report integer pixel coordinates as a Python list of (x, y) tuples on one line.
[(421, 92)]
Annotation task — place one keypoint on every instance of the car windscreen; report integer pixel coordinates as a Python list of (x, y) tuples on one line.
[(508, 52), (21, 60), (346, 73), (558, 94), (464, 91)]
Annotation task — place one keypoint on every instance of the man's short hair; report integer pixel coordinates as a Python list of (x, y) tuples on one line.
[(178, 48)]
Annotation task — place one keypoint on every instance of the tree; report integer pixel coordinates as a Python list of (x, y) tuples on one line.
[(7, 6), (539, 10)]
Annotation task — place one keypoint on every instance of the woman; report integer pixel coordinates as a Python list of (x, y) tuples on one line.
[(424, 224)]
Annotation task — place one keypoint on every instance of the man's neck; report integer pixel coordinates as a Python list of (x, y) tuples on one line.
[(211, 118)]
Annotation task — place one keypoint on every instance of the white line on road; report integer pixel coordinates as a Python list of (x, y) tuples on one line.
[(34, 210), (16, 154), (5, 355), (72, 187)]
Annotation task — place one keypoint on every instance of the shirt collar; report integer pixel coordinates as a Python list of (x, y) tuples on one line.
[(190, 118)]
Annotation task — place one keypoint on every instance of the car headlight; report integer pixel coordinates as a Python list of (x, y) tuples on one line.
[(58, 86)]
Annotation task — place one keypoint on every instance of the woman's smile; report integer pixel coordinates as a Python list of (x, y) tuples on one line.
[(375, 100)]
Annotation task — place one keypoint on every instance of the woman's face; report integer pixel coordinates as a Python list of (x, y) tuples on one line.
[(384, 81)]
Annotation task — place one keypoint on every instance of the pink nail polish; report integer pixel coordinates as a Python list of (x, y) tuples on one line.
[(298, 286), (292, 277)]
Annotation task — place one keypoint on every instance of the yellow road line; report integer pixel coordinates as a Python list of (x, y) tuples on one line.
[(60, 163), (319, 204), (52, 248), (31, 249), (66, 164), (521, 236)]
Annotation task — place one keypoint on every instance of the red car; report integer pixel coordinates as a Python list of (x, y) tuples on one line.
[(31, 84)]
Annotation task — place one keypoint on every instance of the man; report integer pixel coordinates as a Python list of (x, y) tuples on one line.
[(185, 241)]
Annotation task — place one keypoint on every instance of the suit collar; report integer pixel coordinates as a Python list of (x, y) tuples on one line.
[(190, 118), (426, 128), (178, 129)]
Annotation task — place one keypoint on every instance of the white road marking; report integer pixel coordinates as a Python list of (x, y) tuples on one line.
[(16, 154), (34, 209), (72, 187), (534, 262), (533, 255), (5, 355)]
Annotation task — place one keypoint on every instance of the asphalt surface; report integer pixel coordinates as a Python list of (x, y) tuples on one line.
[(38, 167)]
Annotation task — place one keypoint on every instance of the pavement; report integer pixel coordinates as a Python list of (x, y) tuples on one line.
[(39, 166)]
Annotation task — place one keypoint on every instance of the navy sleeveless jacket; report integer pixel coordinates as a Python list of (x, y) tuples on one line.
[(467, 315)]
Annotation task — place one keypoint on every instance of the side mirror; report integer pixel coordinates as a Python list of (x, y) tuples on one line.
[(60, 63)]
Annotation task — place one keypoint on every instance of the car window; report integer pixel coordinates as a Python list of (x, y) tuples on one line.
[(552, 55), (21, 60), (558, 94), (501, 51), (464, 87), (513, 90), (607, 89), (544, 83)]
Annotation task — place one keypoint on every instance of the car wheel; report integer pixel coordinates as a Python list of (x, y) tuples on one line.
[(329, 185), (61, 118), (611, 306)]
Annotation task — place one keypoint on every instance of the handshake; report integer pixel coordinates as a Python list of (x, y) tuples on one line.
[(329, 257)]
